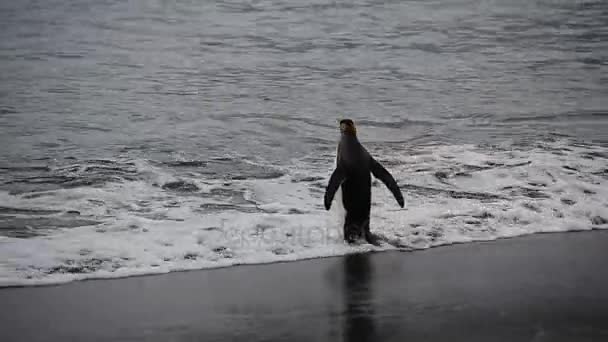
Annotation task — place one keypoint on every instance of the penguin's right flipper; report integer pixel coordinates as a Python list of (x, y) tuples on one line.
[(337, 177), (380, 172)]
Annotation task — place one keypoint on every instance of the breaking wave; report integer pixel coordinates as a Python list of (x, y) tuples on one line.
[(114, 218)]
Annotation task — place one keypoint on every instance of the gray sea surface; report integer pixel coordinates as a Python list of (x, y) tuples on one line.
[(269, 78)]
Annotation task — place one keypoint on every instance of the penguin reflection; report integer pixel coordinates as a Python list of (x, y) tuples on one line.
[(358, 314)]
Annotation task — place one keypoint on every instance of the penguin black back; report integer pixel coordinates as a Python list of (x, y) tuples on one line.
[(352, 173)]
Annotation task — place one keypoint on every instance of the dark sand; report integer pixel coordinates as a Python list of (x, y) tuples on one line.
[(549, 287)]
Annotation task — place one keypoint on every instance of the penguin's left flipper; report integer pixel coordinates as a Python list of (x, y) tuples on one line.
[(380, 172), (336, 179)]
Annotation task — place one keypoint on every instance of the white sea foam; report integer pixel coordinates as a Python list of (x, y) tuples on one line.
[(454, 194)]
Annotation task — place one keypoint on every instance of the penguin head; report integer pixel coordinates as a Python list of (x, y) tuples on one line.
[(347, 126)]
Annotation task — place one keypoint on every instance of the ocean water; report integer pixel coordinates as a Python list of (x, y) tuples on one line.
[(157, 136)]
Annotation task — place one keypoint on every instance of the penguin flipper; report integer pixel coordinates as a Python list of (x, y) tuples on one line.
[(382, 174), (337, 177)]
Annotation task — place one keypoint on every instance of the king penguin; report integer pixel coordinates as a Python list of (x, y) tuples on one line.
[(353, 167)]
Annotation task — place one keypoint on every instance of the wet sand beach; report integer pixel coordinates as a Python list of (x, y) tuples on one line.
[(544, 287)]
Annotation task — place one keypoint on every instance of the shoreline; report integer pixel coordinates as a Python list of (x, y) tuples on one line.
[(541, 287), (305, 259)]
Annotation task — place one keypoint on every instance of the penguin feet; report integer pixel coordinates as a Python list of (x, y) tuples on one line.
[(352, 233), (356, 233), (352, 236), (372, 238)]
